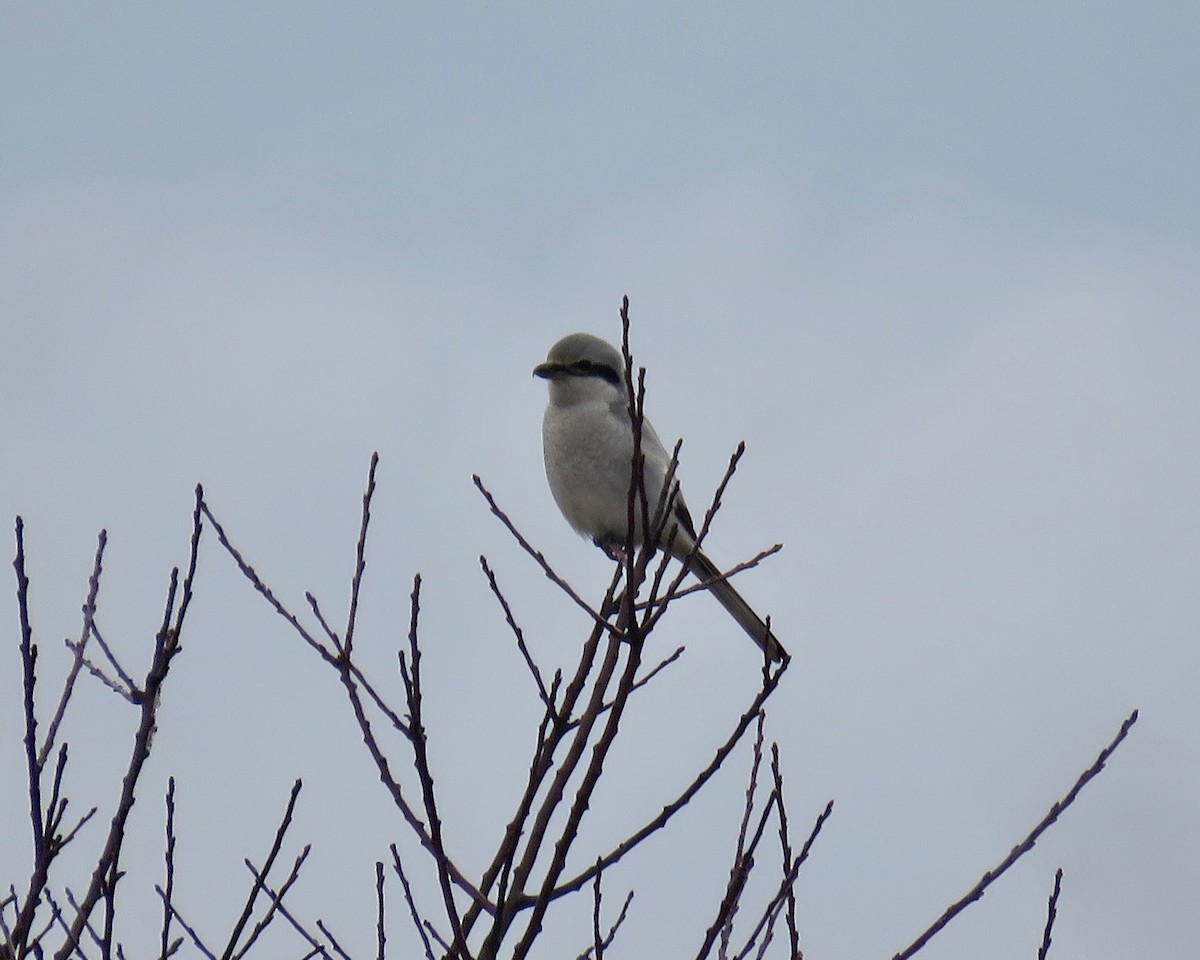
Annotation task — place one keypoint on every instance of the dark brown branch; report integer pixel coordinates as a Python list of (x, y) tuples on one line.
[(553, 731), (101, 941), (250, 574), (1023, 847), (350, 676), (89, 613), (410, 673), (187, 928), (276, 898), (317, 947), (57, 917), (125, 692), (597, 940), (785, 890), (517, 632), (612, 930), (344, 663), (537, 555), (771, 682), (125, 678), (260, 877), (42, 854), (166, 646), (1051, 913), (337, 947), (785, 849), (380, 929), (641, 681), (591, 777), (360, 563), (739, 872), (729, 574), (412, 904), (739, 875), (169, 858)]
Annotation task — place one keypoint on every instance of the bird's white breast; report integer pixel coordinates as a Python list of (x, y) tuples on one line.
[(588, 451)]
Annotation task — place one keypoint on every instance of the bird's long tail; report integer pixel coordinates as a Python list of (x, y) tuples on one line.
[(739, 609)]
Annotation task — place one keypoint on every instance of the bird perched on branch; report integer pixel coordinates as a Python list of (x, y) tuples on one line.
[(587, 441)]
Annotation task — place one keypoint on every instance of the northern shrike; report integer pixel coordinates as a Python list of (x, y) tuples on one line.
[(587, 441)]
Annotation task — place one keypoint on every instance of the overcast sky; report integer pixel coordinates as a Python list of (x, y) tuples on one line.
[(938, 266)]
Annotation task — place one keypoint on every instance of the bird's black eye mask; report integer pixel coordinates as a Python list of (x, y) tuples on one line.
[(586, 368)]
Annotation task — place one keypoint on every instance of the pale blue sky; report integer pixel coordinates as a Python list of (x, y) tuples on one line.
[(936, 265)]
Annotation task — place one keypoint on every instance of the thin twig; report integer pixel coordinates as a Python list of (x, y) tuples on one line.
[(1051, 913), (771, 682), (333, 942), (128, 693), (612, 930), (740, 870), (360, 562), (42, 853), (410, 673), (89, 614), (769, 915), (250, 574), (380, 929), (537, 555), (166, 647), (412, 904), (641, 681), (169, 857), (56, 912), (597, 940), (318, 947), (276, 898), (1023, 847), (785, 849), (702, 585), (343, 662), (259, 877), (517, 631)]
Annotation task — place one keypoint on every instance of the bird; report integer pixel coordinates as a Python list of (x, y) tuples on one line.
[(587, 444)]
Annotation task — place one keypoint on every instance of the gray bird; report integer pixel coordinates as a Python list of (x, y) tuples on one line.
[(587, 441)]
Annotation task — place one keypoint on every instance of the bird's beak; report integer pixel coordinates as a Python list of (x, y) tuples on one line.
[(547, 370)]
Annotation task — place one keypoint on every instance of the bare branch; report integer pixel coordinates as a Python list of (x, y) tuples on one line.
[(360, 563), (702, 585), (262, 588), (411, 675), (380, 929), (1023, 847), (597, 940), (57, 917), (169, 858), (192, 934), (89, 613), (276, 898), (166, 646), (612, 931), (412, 904), (42, 853), (769, 915), (277, 902), (337, 947), (785, 849), (128, 692), (517, 632), (771, 682), (538, 556), (257, 886), (1051, 913)]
